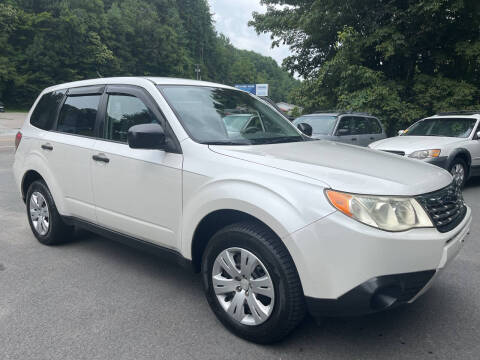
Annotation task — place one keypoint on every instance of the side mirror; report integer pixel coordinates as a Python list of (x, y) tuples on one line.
[(146, 136), (401, 132), (305, 128), (342, 132), (478, 134)]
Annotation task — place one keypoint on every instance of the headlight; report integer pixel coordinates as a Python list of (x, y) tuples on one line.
[(423, 154), (386, 213)]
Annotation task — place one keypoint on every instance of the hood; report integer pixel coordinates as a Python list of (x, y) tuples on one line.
[(409, 144), (345, 167)]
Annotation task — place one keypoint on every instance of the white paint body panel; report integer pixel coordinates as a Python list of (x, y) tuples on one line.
[(162, 197)]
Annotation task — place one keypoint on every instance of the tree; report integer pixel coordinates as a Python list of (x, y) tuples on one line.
[(46, 42), (399, 59)]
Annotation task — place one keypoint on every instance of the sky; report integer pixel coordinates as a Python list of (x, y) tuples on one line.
[(231, 19)]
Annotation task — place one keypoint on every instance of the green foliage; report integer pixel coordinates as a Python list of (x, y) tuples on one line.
[(46, 42), (400, 60)]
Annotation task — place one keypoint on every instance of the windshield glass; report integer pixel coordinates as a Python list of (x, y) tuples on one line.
[(224, 116), (450, 127), (321, 124)]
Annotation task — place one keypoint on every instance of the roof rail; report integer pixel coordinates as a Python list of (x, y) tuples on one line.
[(459, 112), (341, 112)]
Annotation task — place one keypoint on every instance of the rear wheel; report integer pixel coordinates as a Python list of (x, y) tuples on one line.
[(458, 169), (45, 221), (252, 284)]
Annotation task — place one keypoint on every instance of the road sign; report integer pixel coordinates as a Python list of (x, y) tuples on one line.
[(251, 88), (261, 90)]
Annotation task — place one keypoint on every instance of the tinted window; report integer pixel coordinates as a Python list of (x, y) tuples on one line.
[(345, 124), (43, 116), (202, 111), (375, 127), (78, 115), (450, 127), (360, 126), (321, 124), (123, 112)]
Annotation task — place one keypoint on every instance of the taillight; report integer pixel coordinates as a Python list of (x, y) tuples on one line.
[(18, 138)]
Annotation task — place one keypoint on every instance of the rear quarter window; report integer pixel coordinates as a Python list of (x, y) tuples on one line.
[(43, 116)]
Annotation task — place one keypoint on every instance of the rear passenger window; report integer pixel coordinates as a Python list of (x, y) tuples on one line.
[(123, 112), (43, 116), (360, 126), (78, 115), (375, 127)]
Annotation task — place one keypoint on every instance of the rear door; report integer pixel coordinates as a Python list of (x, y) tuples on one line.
[(69, 148), (137, 192), (375, 130)]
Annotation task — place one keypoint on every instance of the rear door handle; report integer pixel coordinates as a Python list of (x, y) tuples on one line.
[(47, 146), (372, 138), (354, 139), (101, 158)]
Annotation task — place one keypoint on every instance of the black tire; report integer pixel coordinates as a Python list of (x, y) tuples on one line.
[(289, 308), (58, 232), (456, 162)]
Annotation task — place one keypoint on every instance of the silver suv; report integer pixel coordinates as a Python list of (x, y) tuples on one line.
[(277, 223), (347, 127), (449, 140)]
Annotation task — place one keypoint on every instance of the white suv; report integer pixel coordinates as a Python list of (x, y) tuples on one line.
[(277, 223), (449, 140)]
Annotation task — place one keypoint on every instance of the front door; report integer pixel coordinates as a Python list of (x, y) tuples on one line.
[(137, 192)]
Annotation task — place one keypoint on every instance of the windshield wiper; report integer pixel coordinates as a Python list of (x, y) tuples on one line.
[(221, 142), (282, 139)]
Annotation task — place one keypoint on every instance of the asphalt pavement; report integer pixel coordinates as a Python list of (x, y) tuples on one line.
[(96, 299)]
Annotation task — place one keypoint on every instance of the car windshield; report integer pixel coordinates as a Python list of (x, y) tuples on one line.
[(213, 115), (449, 127), (321, 124)]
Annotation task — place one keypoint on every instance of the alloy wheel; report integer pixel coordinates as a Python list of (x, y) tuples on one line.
[(458, 173), (39, 213)]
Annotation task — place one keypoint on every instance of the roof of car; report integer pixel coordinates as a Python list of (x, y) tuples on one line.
[(337, 113), (136, 80)]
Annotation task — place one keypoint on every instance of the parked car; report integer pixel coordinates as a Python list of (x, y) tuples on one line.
[(269, 100), (449, 140), (2, 107), (277, 223), (347, 127)]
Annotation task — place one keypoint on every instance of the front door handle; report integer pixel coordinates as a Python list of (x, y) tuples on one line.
[(101, 158), (354, 139), (47, 146), (372, 138)]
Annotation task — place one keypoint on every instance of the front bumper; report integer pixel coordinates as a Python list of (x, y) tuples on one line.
[(441, 161), (349, 268)]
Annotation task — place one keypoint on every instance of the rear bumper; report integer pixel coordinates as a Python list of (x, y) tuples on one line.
[(377, 294)]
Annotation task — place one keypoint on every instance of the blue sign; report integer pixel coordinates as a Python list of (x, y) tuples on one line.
[(251, 88)]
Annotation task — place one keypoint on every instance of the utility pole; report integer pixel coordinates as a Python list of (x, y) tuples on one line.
[(197, 70)]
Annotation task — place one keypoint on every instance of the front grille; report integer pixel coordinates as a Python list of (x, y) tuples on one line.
[(401, 153), (445, 207)]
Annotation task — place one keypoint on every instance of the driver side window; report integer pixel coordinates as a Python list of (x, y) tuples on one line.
[(123, 112), (344, 126)]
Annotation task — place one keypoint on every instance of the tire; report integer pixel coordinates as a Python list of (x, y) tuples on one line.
[(38, 199), (459, 165), (286, 301)]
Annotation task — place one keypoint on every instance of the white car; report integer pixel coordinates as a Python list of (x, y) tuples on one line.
[(277, 223), (449, 140)]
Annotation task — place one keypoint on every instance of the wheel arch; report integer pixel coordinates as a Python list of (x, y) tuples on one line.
[(28, 178), (460, 153), (213, 222)]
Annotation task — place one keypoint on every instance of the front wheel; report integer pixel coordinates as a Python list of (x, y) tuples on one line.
[(251, 283), (458, 169)]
